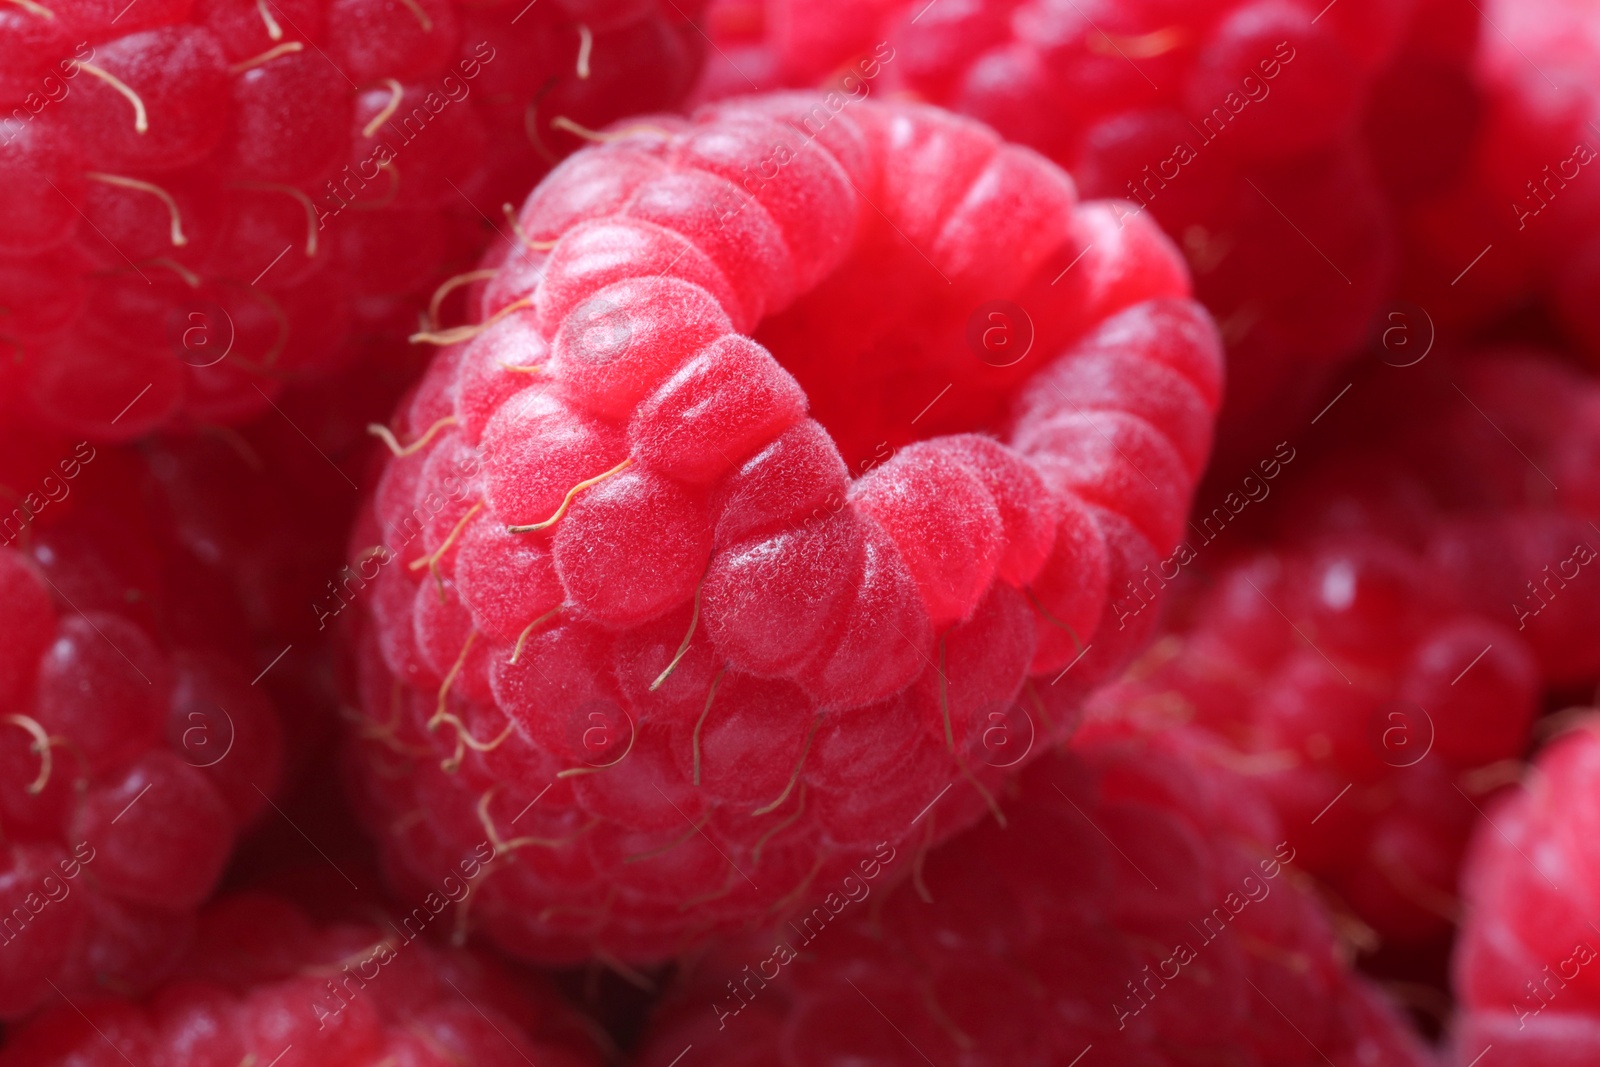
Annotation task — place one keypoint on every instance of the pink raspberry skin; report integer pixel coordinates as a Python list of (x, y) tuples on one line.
[(1522, 973), (622, 542), (211, 198), (1060, 933)]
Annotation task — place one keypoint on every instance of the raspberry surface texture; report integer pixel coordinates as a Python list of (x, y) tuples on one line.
[(799, 533), (777, 494), (208, 198), (265, 984), (1524, 970), (133, 747), (1271, 139), (1361, 696), (1382, 640), (1143, 906)]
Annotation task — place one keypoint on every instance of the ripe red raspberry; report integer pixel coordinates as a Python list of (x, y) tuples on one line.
[(1511, 449), (1524, 969), (1143, 908), (1255, 131), (207, 197), (1361, 693), (1489, 468), (264, 985), (710, 498), (1418, 591), (133, 749), (1521, 221), (268, 542)]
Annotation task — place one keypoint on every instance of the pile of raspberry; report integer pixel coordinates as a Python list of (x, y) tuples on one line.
[(1144, 907), (1380, 651), (1360, 694), (134, 747), (778, 495), (266, 984), (803, 534), (208, 199), (1280, 179)]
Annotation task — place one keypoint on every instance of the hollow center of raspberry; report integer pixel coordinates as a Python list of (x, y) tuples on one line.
[(889, 352)]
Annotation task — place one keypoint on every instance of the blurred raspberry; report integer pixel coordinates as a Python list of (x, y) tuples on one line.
[(1359, 693), (1525, 969), (134, 747), (1385, 642), (1521, 221), (264, 985), (1143, 907)]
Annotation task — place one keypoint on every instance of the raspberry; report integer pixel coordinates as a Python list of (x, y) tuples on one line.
[(1519, 223), (264, 984), (1362, 694), (1520, 537), (675, 624), (1416, 594), (1523, 969), (1144, 904), (236, 188), (134, 750), (1494, 478), (1254, 132), (267, 546)]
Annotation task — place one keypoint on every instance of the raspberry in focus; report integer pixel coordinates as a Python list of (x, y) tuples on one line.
[(728, 542), (1262, 135)]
